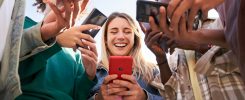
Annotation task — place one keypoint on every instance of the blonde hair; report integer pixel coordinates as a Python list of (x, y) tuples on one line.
[(140, 65)]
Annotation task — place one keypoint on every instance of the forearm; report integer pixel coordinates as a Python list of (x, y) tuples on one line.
[(208, 36), (165, 71), (47, 33)]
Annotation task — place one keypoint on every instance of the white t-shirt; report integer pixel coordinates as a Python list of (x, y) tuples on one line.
[(5, 18)]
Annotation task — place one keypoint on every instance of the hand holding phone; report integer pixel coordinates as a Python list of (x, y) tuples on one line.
[(97, 18), (120, 65), (145, 9), (149, 8)]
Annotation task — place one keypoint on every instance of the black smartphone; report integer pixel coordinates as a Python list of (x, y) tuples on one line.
[(96, 18), (148, 8)]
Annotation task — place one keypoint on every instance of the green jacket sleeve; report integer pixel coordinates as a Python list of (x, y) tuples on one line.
[(32, 65), (32, 42), (83, 86), (82, 83)]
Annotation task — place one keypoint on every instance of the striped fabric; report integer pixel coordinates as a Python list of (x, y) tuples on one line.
[(220, 78)]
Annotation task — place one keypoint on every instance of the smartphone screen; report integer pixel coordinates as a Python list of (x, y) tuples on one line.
[(120, 65), (96, 18)]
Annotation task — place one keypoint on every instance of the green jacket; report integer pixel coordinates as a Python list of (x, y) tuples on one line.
[(54, 74), (20, 44)]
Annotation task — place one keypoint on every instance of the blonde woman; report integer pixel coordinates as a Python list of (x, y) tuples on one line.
[(121, 37)]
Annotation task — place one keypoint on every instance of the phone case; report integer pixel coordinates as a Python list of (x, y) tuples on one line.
[(120, 65), (148, 8), (97, 18)]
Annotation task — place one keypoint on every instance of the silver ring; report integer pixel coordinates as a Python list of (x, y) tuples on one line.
[(129, 92)]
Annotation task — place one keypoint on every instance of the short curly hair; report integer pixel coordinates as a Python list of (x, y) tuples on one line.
[(41, 6)]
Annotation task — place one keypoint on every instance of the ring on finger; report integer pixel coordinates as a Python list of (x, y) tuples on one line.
[(129, 92)]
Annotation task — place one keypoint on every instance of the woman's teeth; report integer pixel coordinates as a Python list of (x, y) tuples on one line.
[(120, 45)]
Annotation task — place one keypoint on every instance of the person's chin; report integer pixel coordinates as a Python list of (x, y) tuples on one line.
[(120, 54)]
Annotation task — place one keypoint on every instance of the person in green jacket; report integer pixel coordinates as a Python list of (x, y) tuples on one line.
[(17, 44), (55, 74), (59, 73)]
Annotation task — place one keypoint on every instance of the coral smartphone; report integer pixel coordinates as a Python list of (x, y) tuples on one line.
[(96, 18), (120, 65)]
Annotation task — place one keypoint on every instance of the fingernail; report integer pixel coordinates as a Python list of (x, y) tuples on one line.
[(83, 40), (98, 27)]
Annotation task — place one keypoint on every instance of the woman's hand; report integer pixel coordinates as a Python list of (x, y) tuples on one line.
[(108, 90), (89, 58), (133, 92), (60, 19), (72, 38)]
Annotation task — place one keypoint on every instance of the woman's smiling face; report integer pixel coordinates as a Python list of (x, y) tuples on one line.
[(120, 37)]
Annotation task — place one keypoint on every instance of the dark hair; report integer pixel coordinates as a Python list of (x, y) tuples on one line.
[(41, 6)]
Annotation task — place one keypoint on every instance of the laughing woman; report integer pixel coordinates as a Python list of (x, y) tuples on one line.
[(121, 37)]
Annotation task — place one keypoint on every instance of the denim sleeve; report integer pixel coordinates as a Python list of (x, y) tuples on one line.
[(153, 96)]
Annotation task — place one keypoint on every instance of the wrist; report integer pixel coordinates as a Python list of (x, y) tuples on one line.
[(161, 60), (202, 48)]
